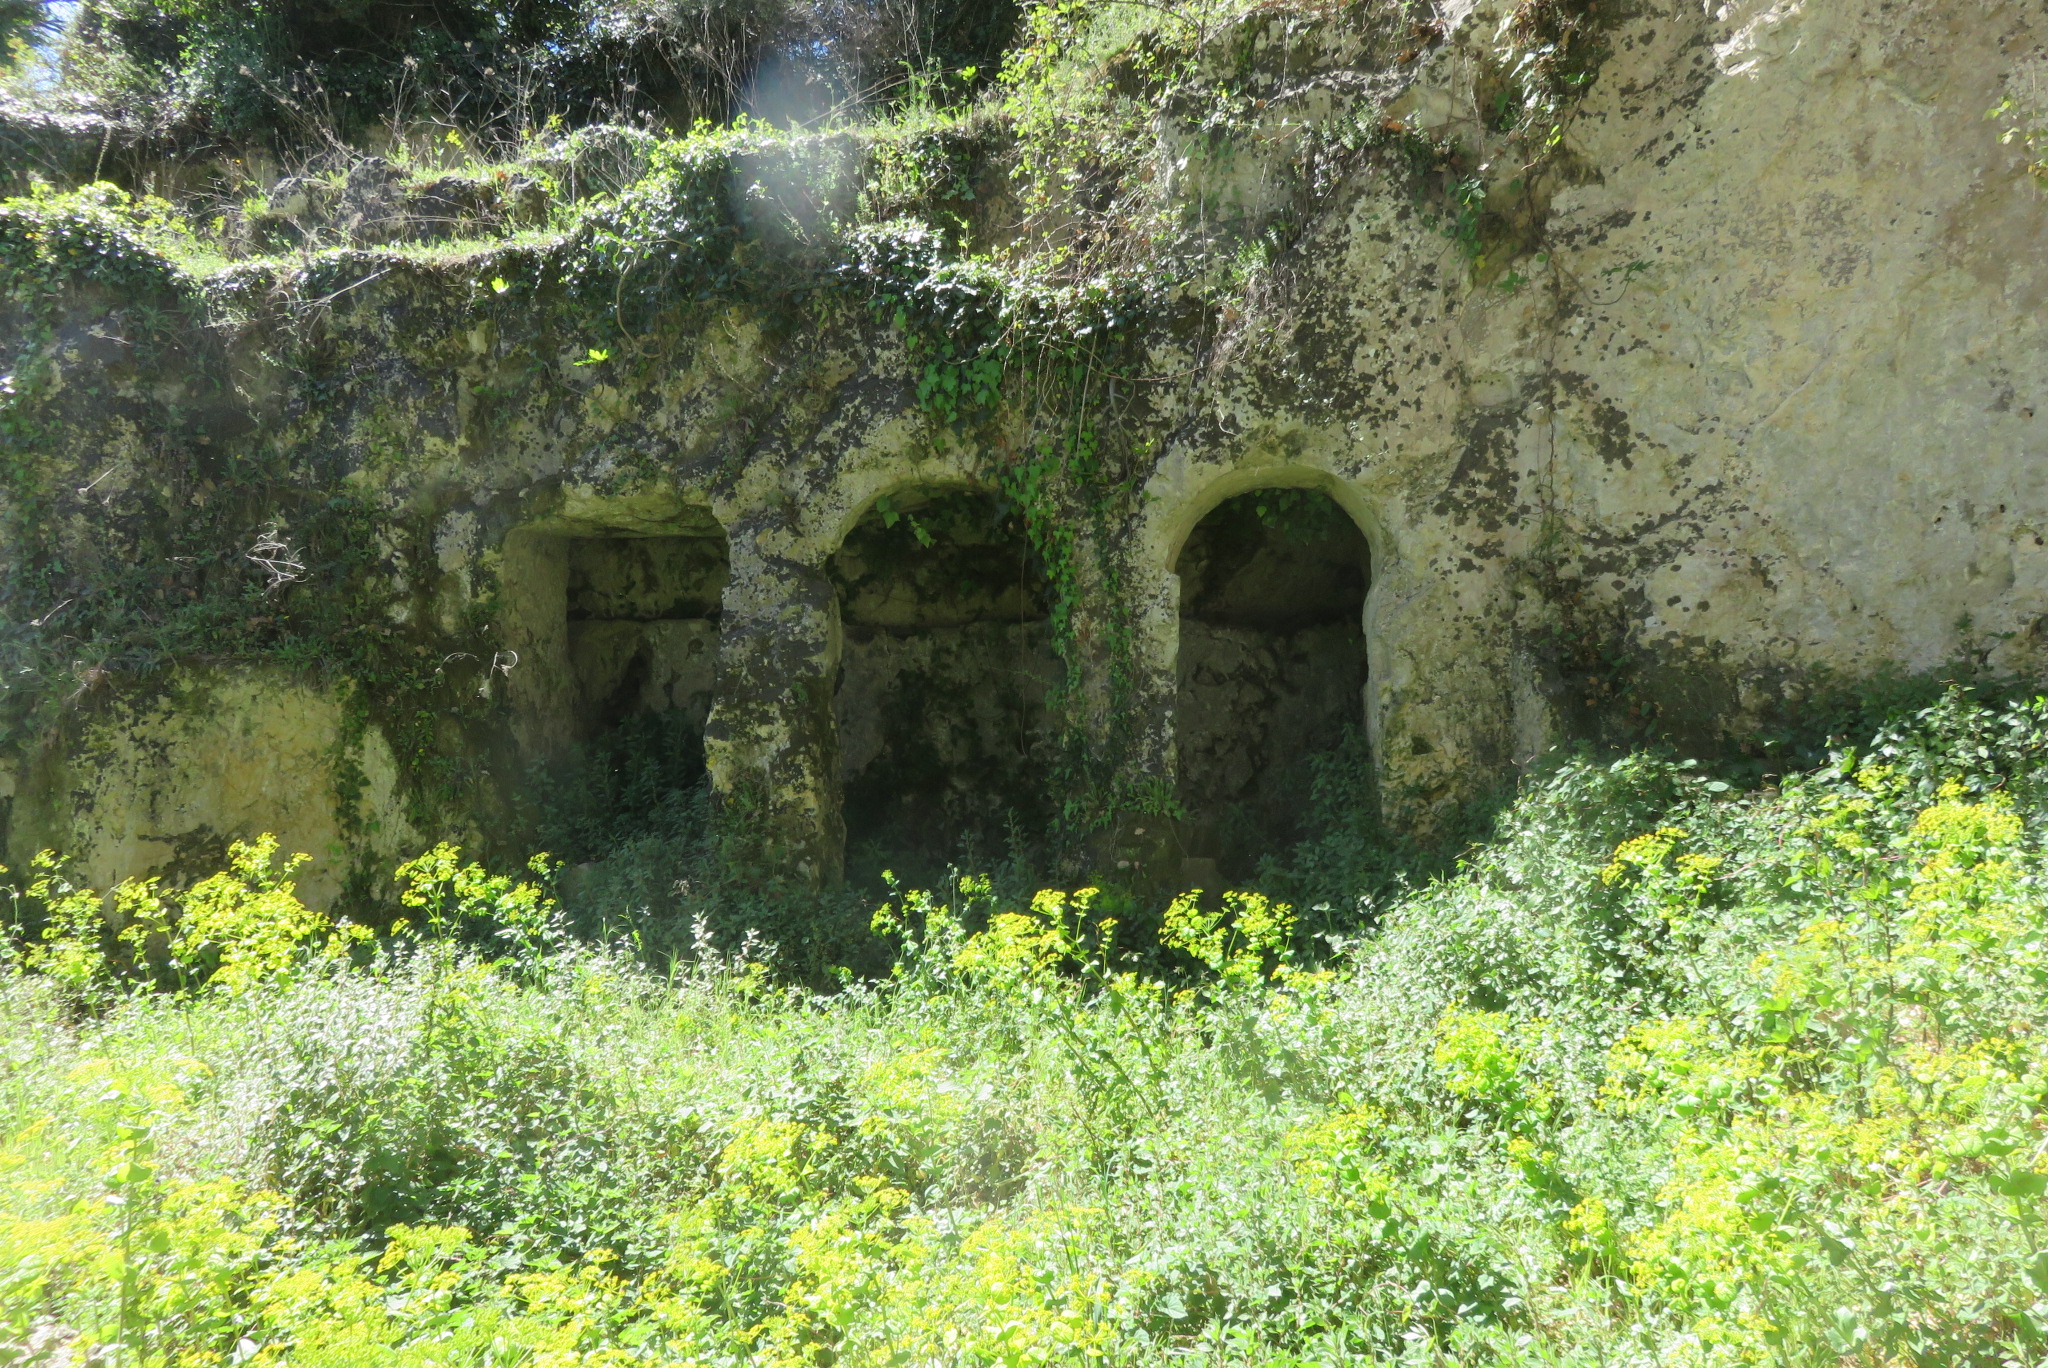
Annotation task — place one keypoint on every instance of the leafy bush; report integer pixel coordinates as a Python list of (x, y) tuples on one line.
[(21, 22), (1664, 1073), (296, 72), (229, 932)]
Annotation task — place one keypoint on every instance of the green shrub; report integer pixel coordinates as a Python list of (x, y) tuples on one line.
[(229, 932), (1664, 1072), (296, 73)]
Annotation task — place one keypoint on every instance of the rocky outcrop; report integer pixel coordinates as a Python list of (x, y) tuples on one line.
[(1740, 385)]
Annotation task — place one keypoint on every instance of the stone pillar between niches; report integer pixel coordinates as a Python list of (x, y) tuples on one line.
[(771, 744), (533, 576), (1129, 637)]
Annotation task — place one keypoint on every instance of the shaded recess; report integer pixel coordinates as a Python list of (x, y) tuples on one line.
[(1271, 669), (945, 668), (633, 684)]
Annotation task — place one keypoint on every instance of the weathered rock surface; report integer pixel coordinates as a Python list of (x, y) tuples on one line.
[(1761, 396)]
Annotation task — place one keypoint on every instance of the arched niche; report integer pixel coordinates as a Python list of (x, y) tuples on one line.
[(642, 623), (946, 662), (1272, 666), (615, 626)]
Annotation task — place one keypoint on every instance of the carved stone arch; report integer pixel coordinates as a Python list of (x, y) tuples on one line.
[(825, 517), (584, 581), (1176, 519), (1273, 651), (773, 740)]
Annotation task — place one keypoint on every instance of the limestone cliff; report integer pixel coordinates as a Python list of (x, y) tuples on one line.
[(1731, 380)]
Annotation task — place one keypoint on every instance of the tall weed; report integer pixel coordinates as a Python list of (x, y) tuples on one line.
[(1663, 1072)]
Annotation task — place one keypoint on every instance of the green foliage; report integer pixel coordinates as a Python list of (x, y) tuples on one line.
[(666, 238), (452, 898), (2029, 130), (1244, 940), (296, 74), (23, 22), (642, 779), (1665, 1072), (70, 944), (229, 932), (1557, 48), (98, 233)]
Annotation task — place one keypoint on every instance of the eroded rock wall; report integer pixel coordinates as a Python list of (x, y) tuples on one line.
[(1746, 388), (164, 782)]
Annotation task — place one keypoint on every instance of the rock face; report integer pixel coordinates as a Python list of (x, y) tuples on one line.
[(164, 783), (1748, 389)]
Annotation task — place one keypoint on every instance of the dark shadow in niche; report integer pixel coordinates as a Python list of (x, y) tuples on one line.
[(1272, 669), (642, 648), (941, 705)]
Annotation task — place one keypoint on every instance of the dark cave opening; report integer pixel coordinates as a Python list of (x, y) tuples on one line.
[(641, 645), (1272, 669), (945, 670)]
